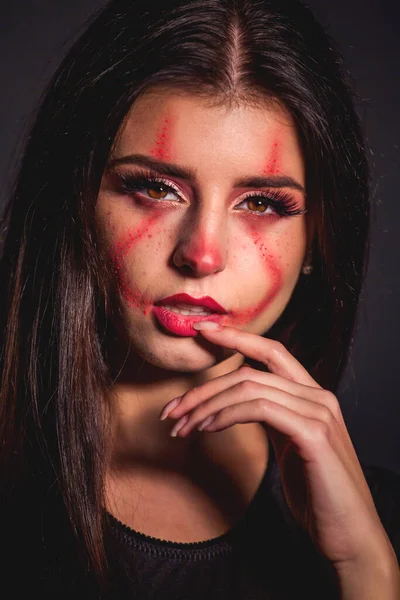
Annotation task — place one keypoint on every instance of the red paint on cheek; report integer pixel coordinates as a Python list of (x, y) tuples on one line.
[(272, 162), (162, 147), (273, 273), (118, 254)]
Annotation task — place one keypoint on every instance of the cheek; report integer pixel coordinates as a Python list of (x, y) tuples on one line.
[(272, 271), (121, 249), (279, 264)]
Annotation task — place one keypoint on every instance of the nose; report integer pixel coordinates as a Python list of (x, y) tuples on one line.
[(202, 247)]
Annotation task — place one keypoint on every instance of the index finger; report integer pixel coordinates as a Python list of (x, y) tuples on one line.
[(269, 352)]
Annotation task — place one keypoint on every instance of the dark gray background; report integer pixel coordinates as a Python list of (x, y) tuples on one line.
[(34, 35)]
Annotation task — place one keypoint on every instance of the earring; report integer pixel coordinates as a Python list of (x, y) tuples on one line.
[(307, 265), (307, 269)]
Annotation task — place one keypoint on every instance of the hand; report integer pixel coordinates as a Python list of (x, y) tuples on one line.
[(322, 479)]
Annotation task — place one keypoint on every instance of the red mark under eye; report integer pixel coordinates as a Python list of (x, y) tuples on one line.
[(120, 250), (272, 162), (162, 148)]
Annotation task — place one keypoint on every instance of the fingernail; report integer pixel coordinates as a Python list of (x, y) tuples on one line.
[(179, 425), (207, 325), (169, 407), (206, 422)]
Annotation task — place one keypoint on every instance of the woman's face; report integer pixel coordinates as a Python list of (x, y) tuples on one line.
[(206, 201)]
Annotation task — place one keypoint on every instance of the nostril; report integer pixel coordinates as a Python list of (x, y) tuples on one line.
[(187, 269)]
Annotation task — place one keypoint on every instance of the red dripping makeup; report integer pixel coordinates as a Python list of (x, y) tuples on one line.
[(272, 271), (120, 251), (272, 162), (161, 149)]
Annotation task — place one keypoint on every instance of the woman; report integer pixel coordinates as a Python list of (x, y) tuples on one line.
[(186, 247)]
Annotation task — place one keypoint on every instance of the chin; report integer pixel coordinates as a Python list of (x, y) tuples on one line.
[(186, 365), (185, 355)]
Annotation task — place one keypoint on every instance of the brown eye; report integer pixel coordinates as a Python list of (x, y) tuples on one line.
[(158, 191), (258, 205)]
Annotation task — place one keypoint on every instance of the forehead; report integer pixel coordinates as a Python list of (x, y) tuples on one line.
[(193, 131)]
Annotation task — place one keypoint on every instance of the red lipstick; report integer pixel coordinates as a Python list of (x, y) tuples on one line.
[(205, 301), (182, 324)]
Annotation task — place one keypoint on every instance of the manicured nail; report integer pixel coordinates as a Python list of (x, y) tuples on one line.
[(169, 407), (207, 325), (179, 425), (206, 422)]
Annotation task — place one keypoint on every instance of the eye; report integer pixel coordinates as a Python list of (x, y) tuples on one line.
[(147, 186), (258, 204), (272, 202), (157, 191)]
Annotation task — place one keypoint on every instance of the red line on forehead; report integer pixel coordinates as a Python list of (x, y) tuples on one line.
[(272, 161), (162, 148)]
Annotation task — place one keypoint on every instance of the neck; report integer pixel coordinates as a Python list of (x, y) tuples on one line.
[(136, 400)]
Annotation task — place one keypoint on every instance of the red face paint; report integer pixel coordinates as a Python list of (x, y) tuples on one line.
[(135, 298), (205, 256), (162, 148), (273, 271), (121, 249), (272, 162)]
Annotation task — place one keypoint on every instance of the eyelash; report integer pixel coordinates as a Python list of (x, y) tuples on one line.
[(282, 203)]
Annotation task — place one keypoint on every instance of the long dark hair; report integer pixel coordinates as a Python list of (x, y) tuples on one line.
[(54, 372)]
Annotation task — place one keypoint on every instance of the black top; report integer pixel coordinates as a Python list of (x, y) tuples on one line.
[(265, 556)]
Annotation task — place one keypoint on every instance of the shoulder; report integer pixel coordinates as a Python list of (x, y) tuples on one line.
[(384, 485)]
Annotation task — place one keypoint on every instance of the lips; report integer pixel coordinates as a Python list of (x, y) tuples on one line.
[(206, 301), (181, 323)]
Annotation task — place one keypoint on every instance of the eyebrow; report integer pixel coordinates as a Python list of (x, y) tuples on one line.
[(187, 174)]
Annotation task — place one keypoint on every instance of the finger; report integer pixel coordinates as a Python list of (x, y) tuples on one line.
[(327, 475), (269, 352), (245, 391), (304, 433), (309, 437), (203, 392)]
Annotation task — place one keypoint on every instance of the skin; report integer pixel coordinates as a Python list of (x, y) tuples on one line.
[(249, 263), (204, 245), (322, 479)]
